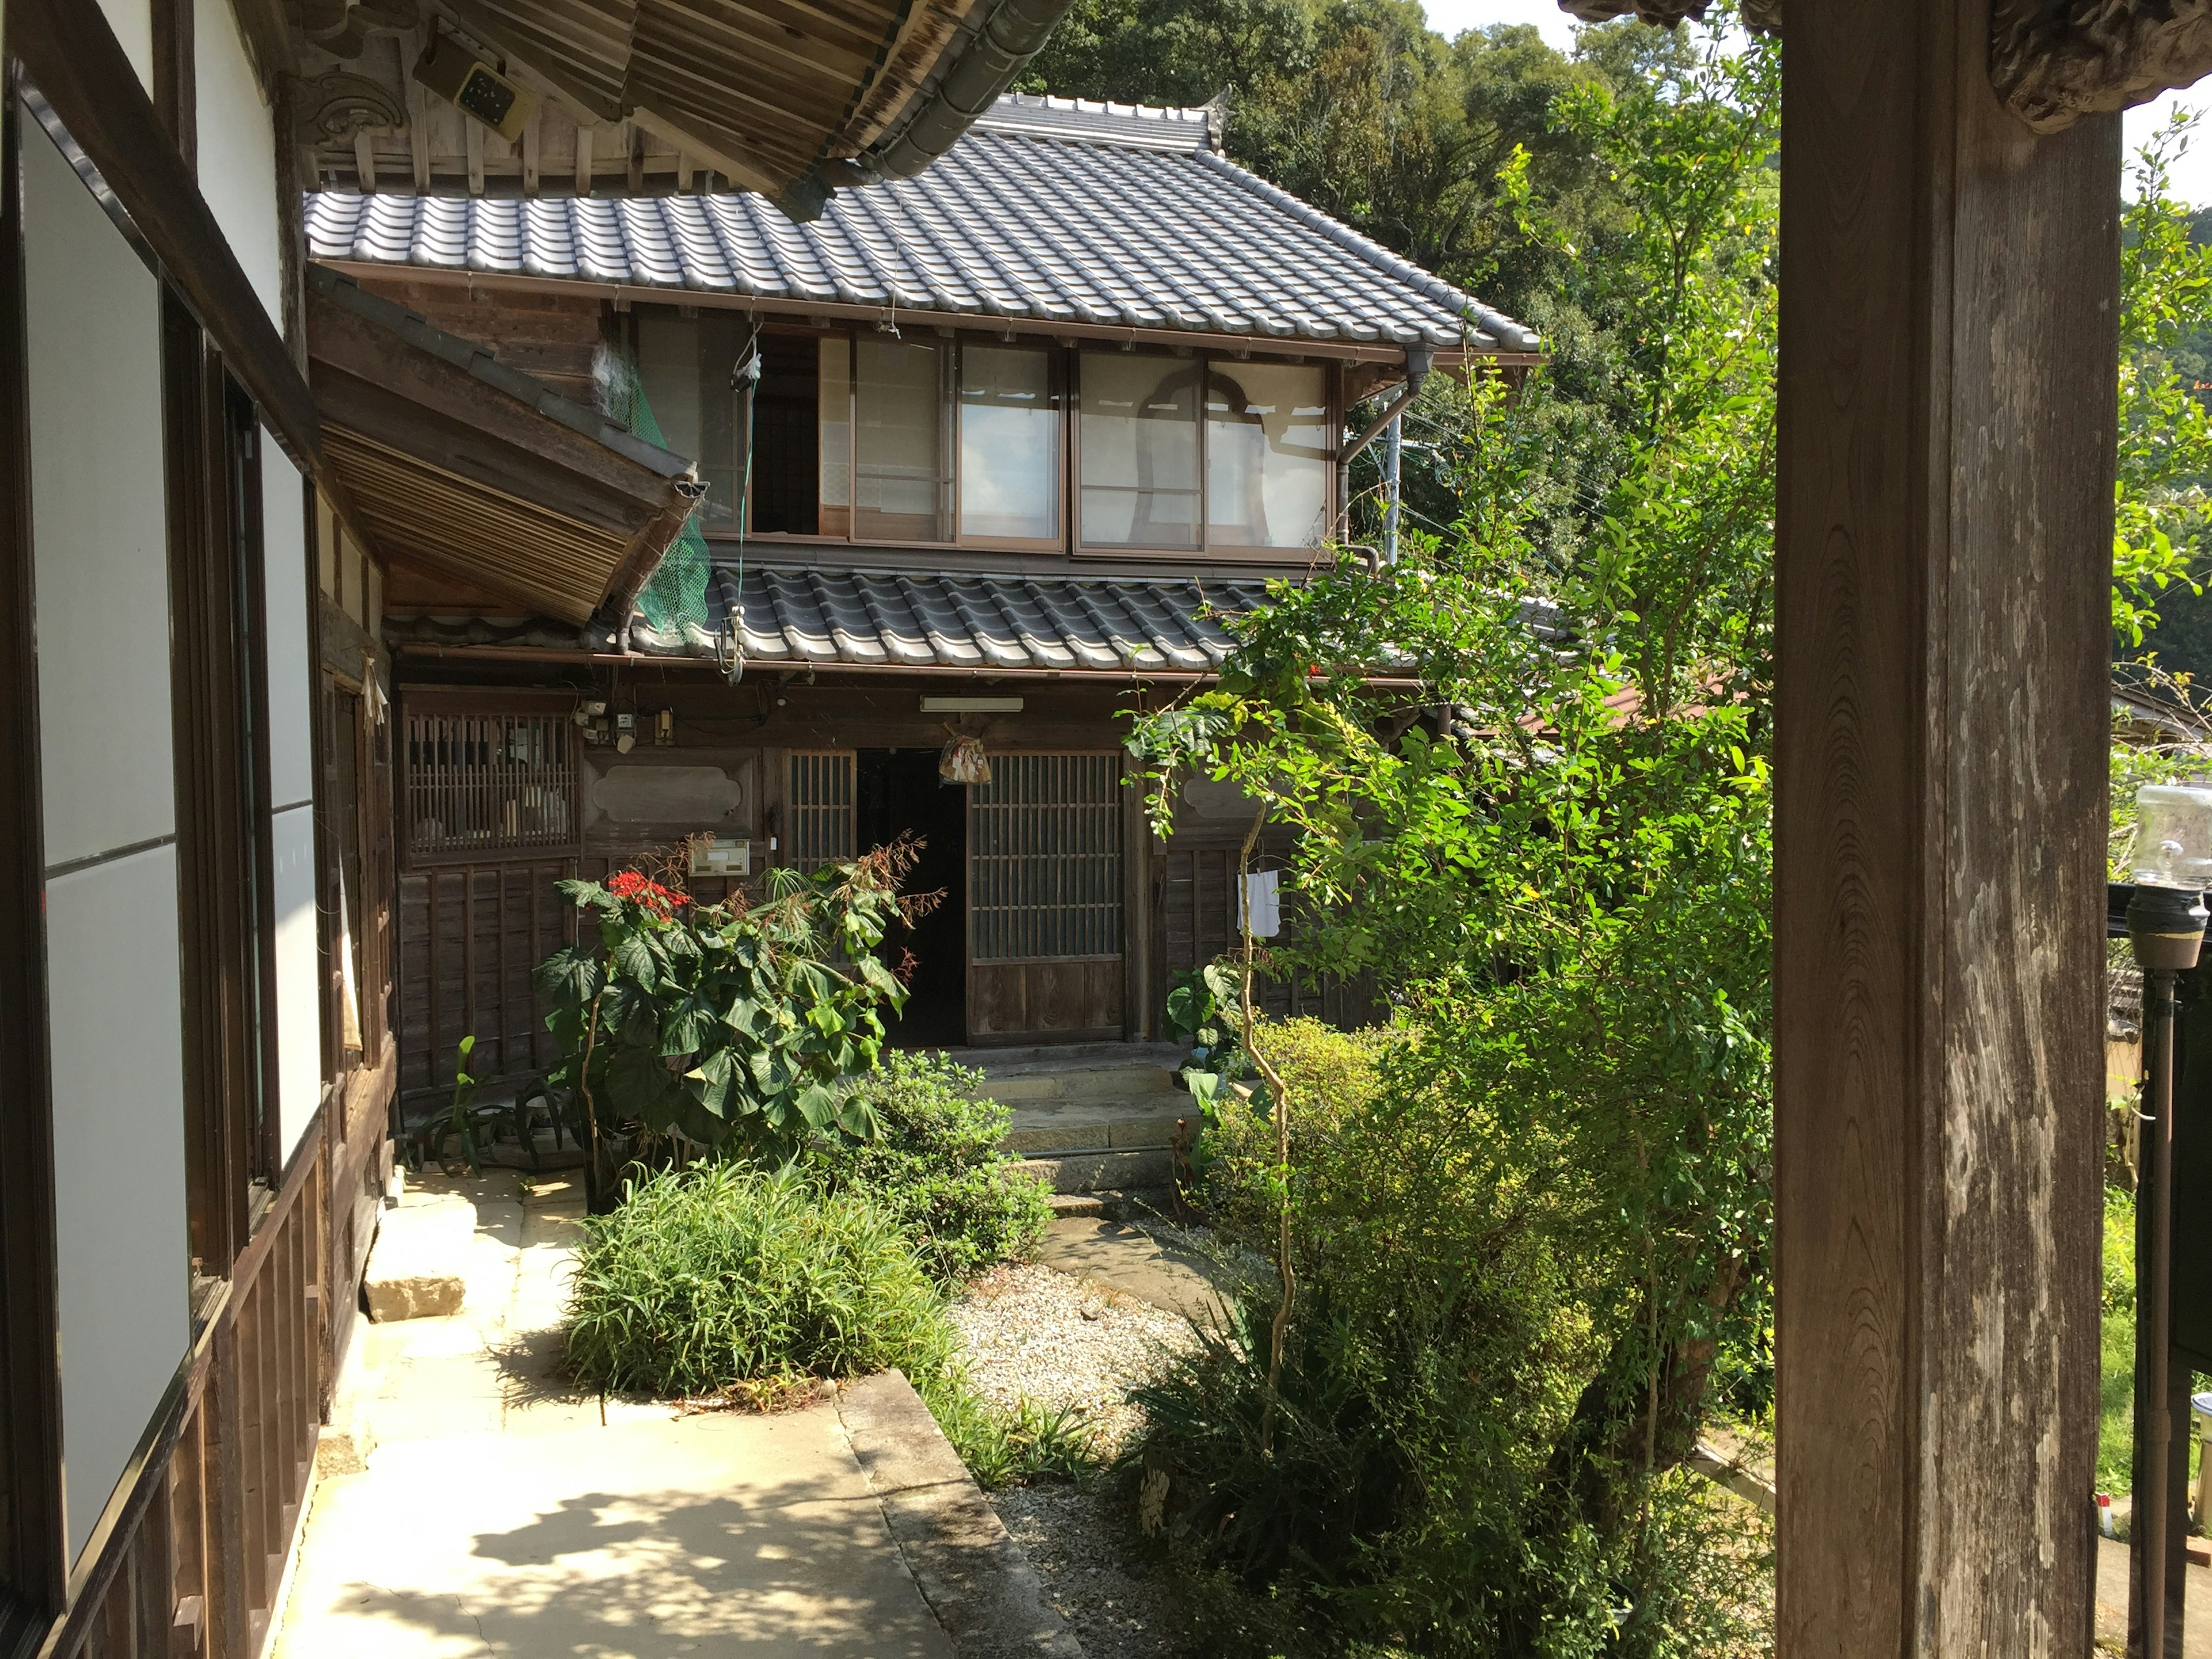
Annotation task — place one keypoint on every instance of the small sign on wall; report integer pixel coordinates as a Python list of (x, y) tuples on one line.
[(718, 855)]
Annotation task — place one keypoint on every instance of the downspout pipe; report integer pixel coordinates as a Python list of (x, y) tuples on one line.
[(1418, 359)]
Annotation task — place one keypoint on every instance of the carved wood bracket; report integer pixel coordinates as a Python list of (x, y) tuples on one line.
[(2053, 62)]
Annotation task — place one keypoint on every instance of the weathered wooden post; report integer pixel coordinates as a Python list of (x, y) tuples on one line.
[(1950, 342)]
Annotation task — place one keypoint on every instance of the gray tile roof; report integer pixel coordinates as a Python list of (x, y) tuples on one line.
[(1046, 212), (799, 616)]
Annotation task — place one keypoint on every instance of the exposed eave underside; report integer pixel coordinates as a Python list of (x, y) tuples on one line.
[(467, 469), (791, 98)]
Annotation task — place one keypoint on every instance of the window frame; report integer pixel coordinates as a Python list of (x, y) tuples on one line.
[(1208, 550), (1064, 363)]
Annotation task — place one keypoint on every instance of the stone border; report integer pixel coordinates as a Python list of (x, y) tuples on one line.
[(973, 1577)]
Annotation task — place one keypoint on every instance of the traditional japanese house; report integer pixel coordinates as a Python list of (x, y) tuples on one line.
[(987, 456), (199, 532)]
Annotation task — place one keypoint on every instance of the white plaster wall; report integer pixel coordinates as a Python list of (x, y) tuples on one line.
[(101, 581), (124, 1254), (96, 504), (237, 149), (291, 685), (299, 1024), (133, 23)]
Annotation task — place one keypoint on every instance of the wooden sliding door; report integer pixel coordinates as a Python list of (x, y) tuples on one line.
[(1045, 913)]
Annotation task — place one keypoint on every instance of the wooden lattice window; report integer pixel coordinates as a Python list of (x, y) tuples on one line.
[(1044, 850), (483, 785), (821, 809)]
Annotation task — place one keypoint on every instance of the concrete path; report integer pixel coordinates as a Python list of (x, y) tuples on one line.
[(473, 1503)]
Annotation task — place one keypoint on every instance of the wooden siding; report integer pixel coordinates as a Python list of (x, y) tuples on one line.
[(469, 937), (1196, 921), (1061, 1000)]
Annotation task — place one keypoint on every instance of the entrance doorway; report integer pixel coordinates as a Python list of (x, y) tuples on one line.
[(899, 793)]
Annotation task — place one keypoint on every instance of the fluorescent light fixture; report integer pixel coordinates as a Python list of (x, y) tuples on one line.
[(971, 705)]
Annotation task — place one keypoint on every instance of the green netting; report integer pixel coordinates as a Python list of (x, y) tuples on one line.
[(676, 594)]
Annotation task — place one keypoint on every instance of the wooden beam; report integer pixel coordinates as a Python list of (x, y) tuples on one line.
[(1950, 297), (79, 68), (32, 1541)]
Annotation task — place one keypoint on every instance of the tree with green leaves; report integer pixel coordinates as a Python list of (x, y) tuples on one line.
[(736, 1026), (1562, 882)]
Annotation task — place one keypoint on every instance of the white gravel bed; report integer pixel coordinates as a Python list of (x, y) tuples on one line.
[(1114, 1600), (1037, 1333)]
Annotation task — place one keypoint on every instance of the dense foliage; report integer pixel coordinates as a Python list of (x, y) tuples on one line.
[(732, 1024), (935, 1165), (723, 1273), (1530, 1233)]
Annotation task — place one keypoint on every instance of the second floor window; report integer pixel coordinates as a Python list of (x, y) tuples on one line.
[(925, 439)]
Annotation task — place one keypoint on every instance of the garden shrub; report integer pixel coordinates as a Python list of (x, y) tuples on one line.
[(722, 1274), (1329, 1073), (937, 1167)]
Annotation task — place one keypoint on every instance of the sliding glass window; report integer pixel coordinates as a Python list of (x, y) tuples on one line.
[(1266, 454), (1009, 445), (1139, 451), (901, 458)]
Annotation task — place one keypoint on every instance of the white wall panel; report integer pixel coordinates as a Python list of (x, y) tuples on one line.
[(291, 683), (133, 23), (237, 149), (124, 1254), (299, 1023), (100, 569)]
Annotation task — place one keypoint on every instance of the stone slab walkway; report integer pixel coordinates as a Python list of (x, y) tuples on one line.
[(1124, 1257), (473, 1503)]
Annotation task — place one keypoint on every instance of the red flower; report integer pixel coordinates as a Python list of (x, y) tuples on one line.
[(651, 894)]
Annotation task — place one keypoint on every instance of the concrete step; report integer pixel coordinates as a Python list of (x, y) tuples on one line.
[(1100, 1171), (1021, 1088), (1066, 1056), (1096, 1125), (1145, 1203)]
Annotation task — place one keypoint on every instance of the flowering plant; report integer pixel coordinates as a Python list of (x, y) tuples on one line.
[(739, 1024)]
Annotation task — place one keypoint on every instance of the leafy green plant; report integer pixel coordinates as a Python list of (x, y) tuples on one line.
[(1201, 1008), (936, 1164), (718, 1273), (722, 1277), (732, 1024), (463, 1118)]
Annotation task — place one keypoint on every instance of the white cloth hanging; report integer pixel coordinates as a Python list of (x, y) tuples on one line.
[(1263, 904)]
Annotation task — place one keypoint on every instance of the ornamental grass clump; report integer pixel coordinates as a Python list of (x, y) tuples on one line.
[(710, 1277), (727, 1278)]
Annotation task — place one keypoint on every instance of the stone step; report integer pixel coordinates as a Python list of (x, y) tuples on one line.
[(1111, 1205), (1019, 1089), (1100, 1171), (1095, 1125)]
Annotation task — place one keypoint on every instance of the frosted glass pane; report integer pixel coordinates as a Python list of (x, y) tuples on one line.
[(1009, 445), (836, 421), (668, 367), (1266, 454), (1140, 450), (900, 469)]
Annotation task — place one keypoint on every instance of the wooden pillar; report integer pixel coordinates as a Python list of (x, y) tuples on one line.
[(1949, 290)]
